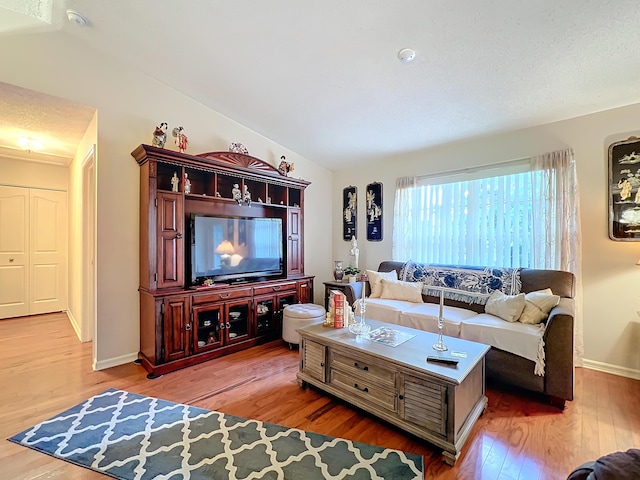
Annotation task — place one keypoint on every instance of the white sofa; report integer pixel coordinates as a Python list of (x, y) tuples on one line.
[(536, 357)]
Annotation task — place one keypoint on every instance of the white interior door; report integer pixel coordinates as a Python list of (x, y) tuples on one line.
[(48, 251), (14, 252)]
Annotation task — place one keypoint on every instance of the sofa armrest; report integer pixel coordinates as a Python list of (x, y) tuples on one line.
[(353, 291), (558, 340)]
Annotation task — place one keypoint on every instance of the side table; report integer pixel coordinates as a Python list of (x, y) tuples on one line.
[(332, 285)]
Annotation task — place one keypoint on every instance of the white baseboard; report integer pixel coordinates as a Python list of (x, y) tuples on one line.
[(74, 324), (613, 369), (114, 362)]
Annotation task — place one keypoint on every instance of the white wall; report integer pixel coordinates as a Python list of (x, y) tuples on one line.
[(610, 277), (129, 106), (19, 173), (78, 293)]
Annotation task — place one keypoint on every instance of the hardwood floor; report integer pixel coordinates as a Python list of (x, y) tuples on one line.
[(45, 370)]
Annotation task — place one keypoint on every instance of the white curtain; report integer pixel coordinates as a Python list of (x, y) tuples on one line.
[(556, 225), (407, 238)]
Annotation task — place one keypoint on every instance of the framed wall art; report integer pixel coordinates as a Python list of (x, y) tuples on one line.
[(374, 212), (624, 190), (349, 212)]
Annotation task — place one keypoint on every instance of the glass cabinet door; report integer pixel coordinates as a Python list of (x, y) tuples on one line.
[(207, 323), (236, 322), (283, 301), (265, 315)]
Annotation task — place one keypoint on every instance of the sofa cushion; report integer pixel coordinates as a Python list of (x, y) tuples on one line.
[(538, 305), (384, 310), (517, 338), (398, 290), (375, 281), (425, 317), (507, 307)]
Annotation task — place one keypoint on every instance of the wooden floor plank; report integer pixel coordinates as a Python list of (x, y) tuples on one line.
[(46, 370)]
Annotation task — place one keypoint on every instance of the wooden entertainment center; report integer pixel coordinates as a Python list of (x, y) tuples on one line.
[(181, 323)]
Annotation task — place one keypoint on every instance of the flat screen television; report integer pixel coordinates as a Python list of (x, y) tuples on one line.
[(235, 249)]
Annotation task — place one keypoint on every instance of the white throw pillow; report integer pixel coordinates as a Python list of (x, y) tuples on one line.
[(375, 281), (398, 290), (537, 306), (507, 307)]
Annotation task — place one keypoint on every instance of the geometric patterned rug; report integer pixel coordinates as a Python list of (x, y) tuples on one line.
[(130, 436)]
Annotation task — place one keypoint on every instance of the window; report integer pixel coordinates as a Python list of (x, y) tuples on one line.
[(508, 215)]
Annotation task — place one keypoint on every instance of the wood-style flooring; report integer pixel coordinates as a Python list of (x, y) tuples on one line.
[(44, 370)]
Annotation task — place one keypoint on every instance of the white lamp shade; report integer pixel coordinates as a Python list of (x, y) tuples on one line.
[(225, 248)]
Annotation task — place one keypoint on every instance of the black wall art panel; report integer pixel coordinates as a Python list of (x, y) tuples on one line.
[(349, 212), (374, 212), (624, 190)]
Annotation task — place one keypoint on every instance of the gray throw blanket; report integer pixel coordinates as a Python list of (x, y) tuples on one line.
[(465, 284)]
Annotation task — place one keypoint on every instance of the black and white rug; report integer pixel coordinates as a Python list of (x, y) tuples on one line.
[(131, 436)]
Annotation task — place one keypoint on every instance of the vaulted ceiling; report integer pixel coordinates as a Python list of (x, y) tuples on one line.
[(324, 79)]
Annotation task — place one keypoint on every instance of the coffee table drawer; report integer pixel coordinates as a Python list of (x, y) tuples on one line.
[(363, 389), (362, 368)]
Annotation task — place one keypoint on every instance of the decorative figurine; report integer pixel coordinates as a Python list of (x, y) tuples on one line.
[(181, 139), (218, 195), (354, 253), (187, 183), (285, 167), (259, 200), (175, 181), (237, 147), (237, 194), (160, 135), (247, 195)]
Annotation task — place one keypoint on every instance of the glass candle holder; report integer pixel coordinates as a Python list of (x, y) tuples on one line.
[(439, 345)]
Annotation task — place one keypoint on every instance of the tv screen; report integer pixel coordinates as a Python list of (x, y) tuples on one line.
[(235, 248)]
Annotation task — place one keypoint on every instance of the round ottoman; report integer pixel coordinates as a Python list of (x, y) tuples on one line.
[(297, 316)]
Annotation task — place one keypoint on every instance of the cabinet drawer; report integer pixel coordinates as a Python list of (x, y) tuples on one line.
[(276, 288), (370, 391), (221, 295), (362, 368)]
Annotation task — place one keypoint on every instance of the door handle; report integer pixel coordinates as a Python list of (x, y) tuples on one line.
[(178, 235), (187, 326)]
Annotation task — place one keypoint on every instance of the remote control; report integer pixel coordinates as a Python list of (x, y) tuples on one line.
[(445, 360)]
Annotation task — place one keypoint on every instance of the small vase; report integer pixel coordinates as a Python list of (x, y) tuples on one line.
[(338, 273)]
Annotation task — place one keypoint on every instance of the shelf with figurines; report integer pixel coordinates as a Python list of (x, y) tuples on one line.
[(197, 182)]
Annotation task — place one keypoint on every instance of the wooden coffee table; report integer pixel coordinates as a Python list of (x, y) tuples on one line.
[(436, 402)]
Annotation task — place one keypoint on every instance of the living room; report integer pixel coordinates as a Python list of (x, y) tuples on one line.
[(130, 104)]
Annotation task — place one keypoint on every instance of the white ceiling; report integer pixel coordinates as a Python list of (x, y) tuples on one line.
[(57, 124), (323, 78)]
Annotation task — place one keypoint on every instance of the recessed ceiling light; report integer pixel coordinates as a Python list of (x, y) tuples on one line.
[(77, 19), (407, 55)]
